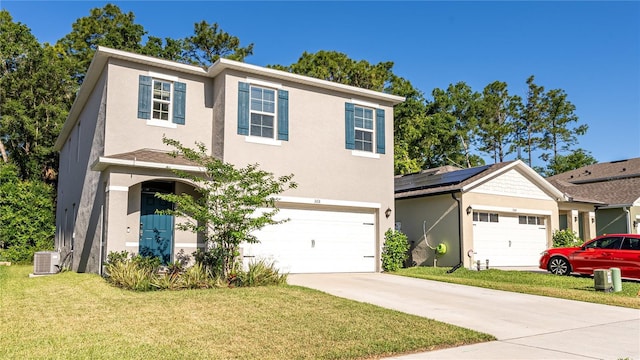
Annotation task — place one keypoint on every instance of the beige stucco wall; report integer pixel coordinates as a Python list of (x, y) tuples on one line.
[(315, 152), (125, 132)]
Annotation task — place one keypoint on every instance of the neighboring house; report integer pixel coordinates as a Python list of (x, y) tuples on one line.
[(604, 198), (503, 213), (337, 140)]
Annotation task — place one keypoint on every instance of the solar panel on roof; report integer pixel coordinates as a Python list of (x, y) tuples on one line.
[(430, 180)]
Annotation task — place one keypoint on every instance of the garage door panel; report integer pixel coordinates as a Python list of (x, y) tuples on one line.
[(317, 241), (509, 243)]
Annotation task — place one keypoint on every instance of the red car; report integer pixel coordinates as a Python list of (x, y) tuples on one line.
[(613, 250)]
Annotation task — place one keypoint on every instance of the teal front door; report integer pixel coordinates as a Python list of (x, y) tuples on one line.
[(156, 231)]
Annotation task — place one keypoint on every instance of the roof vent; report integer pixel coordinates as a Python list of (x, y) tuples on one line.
[(624, 169)]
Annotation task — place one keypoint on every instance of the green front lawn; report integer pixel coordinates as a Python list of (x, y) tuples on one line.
[(80, 316), (565, 287)]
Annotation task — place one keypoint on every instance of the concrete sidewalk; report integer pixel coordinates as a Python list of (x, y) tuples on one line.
[(526, 326)]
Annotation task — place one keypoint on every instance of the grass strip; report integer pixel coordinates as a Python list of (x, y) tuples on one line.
[(578, 288)]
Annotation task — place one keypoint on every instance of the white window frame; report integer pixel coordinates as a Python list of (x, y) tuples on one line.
[(162, 101), (531, 220), (165, 78), (259, 138), (478, 216), (372, 131)]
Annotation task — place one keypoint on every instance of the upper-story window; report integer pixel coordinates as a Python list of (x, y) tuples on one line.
[(364, 128), (263, 112), (161, 100), (263, 109)]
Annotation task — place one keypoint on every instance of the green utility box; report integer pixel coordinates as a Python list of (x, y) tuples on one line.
[(602, 280)]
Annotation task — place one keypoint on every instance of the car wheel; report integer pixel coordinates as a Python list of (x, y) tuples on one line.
[(559, 266)]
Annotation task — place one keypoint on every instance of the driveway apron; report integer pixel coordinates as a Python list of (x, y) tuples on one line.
[(526, 326)]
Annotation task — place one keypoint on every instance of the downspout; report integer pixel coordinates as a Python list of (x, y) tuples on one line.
[(101, 259), (626, 211), (459, 226)]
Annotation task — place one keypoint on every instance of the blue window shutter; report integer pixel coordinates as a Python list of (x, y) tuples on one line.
[(349, 126), (283, 115), (144, 97), (380, 131), (243, 108), (179, 97)]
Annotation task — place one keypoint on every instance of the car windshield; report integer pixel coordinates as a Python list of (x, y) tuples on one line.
[(605, 243)]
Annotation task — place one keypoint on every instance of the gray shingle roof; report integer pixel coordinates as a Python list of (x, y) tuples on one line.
[(153, 156), (610, 183)]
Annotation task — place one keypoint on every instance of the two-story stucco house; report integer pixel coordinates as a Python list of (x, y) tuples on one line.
[(337, 140)]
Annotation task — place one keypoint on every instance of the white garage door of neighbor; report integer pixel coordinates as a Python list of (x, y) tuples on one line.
[(317, 241), (508, 243)]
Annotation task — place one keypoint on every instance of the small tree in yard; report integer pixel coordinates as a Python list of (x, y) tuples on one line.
[(232, 203), (395, 250)]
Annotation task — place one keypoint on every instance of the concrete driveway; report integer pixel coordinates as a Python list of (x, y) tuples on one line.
[(526, 326)]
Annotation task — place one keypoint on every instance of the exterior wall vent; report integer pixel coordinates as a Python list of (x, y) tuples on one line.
[(46, 262)]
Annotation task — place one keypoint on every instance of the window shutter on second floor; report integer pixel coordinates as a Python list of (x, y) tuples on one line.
[(350, 131), (380, 131), (243, 108), (283, 115), (179, 97), (144, 97)]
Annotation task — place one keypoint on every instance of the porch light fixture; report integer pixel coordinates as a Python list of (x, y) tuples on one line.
[(387, 212), (575, 218), (593, 220), (469, 210)]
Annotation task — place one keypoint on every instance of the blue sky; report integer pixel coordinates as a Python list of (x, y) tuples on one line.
[(589, 49)]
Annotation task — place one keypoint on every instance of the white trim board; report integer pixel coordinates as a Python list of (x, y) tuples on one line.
[(508, 210)]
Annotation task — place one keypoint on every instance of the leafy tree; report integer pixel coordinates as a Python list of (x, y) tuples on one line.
[(232, 203), (27, 216), (338, 67), (454, 114), (35, 95), (209, 43), (497, 110), (107, 26), (530, 121), (409, 119), (170, 49), (564, 163), (559, 133)]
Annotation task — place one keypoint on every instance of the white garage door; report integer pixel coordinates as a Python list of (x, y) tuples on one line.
[(508, 240), (317, 241)]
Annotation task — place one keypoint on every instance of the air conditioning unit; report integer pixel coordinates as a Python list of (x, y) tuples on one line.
[(46, 262), (602, 280)]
